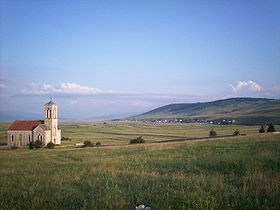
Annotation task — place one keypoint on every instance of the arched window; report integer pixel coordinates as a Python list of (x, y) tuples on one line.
[(29, 138), (41, 138), (50, 113), (12, 137)]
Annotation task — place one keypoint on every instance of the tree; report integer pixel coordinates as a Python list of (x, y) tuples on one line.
[(88, 143), (261, 130), (38, 144), (98, 143), (137, 140), (212, 133), (31, 145), (236, 132), (270, 128), (50, 145)]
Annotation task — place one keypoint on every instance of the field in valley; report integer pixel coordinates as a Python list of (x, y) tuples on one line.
[(240, 172), (120, 133), (117, 133)]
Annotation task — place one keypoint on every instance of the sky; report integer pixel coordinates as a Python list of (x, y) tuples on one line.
[(120, 58)]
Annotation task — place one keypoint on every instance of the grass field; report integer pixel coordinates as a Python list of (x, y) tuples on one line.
[(109, 133), (231, 173), (122, 132)]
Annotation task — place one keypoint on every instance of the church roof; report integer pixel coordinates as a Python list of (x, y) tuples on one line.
[(50, 103), (44, 127), (27, 125)]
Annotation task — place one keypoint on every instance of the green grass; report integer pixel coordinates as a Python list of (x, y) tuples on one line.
[(235, 173), (120, 133), (3, 132)]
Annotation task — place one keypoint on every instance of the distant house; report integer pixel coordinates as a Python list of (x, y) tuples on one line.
[(22, 132)]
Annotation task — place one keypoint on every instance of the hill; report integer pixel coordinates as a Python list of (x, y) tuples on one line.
[(236, 110)]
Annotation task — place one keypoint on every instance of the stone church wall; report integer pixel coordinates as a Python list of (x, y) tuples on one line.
[(58, 137), (39, 134), (47, 137), (19, 138)]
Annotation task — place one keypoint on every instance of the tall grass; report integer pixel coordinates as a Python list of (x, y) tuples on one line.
[(237, 173)]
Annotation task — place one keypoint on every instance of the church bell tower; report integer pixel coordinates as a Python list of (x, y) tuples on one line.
[(51, 121)]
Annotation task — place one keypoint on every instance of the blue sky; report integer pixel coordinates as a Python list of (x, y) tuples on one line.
[(99, 58)]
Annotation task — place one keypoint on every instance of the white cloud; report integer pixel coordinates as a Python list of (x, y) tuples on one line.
[(3, 87), (249, 85), (64, 88)]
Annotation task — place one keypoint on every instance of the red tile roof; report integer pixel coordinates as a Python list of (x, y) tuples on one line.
[(27, 125)]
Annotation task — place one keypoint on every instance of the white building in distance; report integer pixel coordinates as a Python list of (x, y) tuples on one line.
[(22, 132)]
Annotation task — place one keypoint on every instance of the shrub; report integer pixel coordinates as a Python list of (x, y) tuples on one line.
[(65, 139), (236, 132), (88, 144), (38, 144), (270, 128), (31, 145), (212, 133), (50, 145), (137, 140), (261, 130), (98, 143)]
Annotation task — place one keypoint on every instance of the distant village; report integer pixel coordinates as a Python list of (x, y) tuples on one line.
[(189, 120)]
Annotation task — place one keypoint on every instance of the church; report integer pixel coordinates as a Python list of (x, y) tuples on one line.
[(22, 132)]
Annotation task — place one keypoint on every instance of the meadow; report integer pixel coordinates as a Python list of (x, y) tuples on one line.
[(240, 172), (119, 133)]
